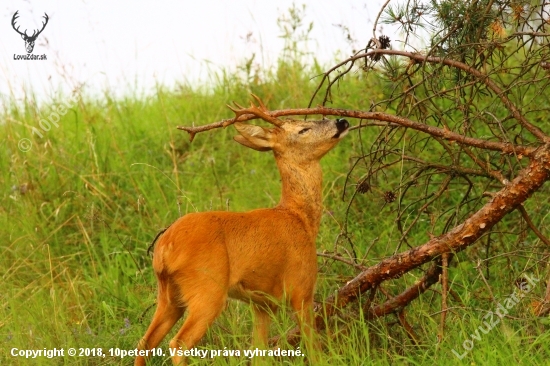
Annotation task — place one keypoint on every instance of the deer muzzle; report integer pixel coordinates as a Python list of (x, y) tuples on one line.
[(342, 126)]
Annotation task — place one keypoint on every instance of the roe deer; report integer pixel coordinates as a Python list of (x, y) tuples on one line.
[(261, 256)]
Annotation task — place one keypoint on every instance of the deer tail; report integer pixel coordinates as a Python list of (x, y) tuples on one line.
[(152, 245)]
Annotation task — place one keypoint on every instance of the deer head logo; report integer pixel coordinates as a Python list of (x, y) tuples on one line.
[(29, 40)]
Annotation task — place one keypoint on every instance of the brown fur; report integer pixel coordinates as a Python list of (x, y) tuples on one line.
[(262, 256)]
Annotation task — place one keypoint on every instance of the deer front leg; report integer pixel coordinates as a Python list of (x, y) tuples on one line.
[(262, 320), (303, 308)]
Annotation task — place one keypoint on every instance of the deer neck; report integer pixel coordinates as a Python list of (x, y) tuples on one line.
[(302, 192)]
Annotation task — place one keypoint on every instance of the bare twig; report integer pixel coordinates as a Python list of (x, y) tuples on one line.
[(339, 258), (534, 34), (493, 173), (377, 19), (532, 226), (408, 328), (478, 267), (545, 306), (444, 291), (140, 318)]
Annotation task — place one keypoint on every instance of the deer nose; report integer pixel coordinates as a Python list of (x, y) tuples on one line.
[(342, 124)]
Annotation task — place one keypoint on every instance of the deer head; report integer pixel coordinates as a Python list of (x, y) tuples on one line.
[(299, 141), (29, 40)]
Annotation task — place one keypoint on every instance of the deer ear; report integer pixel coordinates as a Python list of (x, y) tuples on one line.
[(23, 36), (254, 137)]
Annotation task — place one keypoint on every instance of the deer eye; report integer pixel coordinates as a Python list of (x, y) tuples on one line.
[(304, 130)]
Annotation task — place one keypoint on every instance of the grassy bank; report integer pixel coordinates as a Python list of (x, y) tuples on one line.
[(81, 205)]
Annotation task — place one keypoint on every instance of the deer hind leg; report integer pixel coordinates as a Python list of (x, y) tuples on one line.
[(204, 304), (168, 312)]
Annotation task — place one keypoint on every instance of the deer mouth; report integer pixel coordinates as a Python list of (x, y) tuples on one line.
[(342, 126)]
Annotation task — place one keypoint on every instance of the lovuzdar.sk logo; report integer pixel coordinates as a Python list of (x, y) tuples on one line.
[(29, 39)]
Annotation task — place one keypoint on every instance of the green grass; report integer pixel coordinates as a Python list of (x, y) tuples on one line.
[(79, 210)]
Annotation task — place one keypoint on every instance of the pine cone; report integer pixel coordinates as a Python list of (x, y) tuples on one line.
[(362, 187), (389, 196), (384, 42)]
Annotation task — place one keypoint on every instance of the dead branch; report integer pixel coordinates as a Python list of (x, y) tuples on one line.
[(406, 297), (459, 238), (446, 134)]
